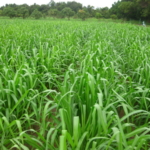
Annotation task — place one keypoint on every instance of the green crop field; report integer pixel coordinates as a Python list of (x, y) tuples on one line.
[(74, 85)]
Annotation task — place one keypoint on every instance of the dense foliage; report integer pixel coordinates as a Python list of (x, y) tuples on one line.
[(124, 9), (74, 85), (132, 9)]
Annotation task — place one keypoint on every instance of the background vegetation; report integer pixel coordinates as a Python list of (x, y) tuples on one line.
[(124, 9)]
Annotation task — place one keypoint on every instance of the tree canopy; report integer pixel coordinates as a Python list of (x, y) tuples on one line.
[(132, 9), (68, 12), (123, 9)]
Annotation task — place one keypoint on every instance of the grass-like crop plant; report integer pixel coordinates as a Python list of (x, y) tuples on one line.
[(74, 85)]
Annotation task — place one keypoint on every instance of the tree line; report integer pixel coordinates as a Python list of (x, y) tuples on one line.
[(124, 9)]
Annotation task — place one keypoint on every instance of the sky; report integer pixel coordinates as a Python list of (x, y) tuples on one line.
[(95, 3)]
